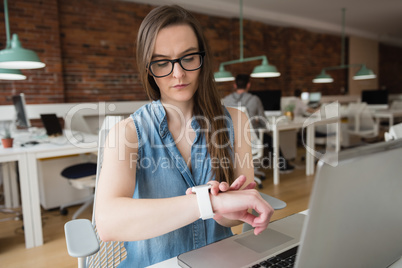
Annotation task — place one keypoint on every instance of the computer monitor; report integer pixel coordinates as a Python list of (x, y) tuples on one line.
[(22, 120), (271, 99), (314, 97), (375, 98)]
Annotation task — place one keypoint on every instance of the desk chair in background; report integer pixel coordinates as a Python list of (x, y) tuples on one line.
[(395, 132), (82, 239), (80, 176), (361, 121), (396, 105), (257, 150)]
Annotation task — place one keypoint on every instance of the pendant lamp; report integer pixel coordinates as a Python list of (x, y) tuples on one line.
[(261, 71), (14, 56), (9, 74), (363, 73)]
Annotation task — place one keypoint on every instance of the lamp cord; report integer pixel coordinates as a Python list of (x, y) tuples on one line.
[(241, 29), (8, 44), (343, 38)]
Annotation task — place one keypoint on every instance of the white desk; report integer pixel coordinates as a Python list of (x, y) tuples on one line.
[(309, 123), (29, 182), (18, 155), (387, 114)]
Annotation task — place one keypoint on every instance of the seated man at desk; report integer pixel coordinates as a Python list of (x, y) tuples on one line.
[(255, 109), (301, 108)]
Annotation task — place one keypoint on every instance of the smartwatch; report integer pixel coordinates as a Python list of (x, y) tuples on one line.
[(204, 201)]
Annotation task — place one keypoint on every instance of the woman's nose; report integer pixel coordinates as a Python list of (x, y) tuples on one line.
[(178, 71)]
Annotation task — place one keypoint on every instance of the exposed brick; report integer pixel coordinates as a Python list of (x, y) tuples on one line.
[(89, 50)]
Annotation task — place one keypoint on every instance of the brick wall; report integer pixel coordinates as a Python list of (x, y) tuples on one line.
[(390, 68), (89, 49)]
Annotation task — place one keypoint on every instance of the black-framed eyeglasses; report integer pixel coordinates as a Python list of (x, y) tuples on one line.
[(189, 62)]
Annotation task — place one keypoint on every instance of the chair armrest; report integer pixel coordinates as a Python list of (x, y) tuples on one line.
[(80, 238)]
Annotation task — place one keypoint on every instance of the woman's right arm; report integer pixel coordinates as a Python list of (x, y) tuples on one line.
[(120, 217)]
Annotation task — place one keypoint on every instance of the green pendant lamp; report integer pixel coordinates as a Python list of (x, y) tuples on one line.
[(14, 56), (223, 76), (8, 74), (265, 70), (262, 71), (364, 73), (323, 77)]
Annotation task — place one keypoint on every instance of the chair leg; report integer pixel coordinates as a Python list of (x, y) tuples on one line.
[(83, 207), (258, 181)]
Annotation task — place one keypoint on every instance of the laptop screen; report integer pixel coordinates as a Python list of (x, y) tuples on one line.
[(52, 125)]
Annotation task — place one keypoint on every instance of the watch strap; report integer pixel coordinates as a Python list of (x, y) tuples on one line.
[(204, 201)]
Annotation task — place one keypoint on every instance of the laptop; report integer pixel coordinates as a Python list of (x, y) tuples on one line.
[(52, 125), (354, 219)]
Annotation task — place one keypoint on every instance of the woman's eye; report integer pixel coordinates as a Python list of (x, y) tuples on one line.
[(188, 59), (162, 64)]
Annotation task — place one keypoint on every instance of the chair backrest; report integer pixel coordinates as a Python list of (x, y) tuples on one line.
[(396, 105), (111, 253), (394, 133), (361, 121), (257, 146)]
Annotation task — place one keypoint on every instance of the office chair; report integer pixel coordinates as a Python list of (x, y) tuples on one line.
[(396, 105), (395, 132), (82, 239), (80, 176), (361, 121), (325, 135), (257, 150)]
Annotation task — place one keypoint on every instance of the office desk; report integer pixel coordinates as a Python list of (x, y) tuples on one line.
[(18, 155), (282, 123), (387, 114), (27, 158)]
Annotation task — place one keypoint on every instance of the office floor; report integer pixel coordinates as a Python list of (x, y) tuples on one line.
[(294, 189)]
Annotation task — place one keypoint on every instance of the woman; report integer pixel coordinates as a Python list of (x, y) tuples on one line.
[(184, 138)]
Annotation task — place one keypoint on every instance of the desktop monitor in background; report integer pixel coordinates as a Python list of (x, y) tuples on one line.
[(376, 99), (271, 99), (314, 99), (22, 120)]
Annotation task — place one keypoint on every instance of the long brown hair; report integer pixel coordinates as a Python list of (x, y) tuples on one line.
[(206, 99)]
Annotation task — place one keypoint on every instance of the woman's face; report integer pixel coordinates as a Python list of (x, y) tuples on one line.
[(171, 43)]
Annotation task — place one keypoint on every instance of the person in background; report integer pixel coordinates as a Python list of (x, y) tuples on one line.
[(255, 109), (169, 181), (301, 108)]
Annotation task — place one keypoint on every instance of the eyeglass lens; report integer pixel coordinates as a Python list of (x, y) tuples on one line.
[(165, 67)]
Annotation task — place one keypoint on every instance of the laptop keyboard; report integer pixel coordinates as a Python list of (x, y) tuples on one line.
[(284, 259)]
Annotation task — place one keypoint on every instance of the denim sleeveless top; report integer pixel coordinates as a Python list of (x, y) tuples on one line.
[(161, 173)]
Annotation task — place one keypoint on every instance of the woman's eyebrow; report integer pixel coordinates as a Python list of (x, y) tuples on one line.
[(191, 49)]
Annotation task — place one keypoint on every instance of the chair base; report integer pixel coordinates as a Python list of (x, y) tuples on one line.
[(86, 203)]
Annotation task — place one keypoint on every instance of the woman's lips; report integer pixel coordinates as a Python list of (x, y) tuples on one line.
[(180, 86)]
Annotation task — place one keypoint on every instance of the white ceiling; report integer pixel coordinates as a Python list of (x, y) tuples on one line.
[(374, 19)]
